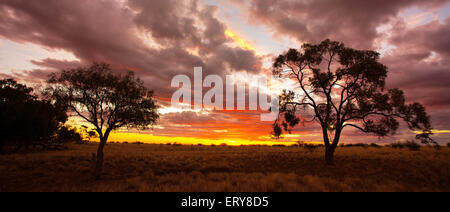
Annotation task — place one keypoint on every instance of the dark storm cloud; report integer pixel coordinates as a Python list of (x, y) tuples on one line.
[(420, 63), (89, 29), (431, 37), (109, 31), (420, 66), (167, 20), (354, 22)]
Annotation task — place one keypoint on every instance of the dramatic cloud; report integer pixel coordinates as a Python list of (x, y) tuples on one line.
[(157, 39), (354, 22), (428, 38), (420, 63), (161, 39)]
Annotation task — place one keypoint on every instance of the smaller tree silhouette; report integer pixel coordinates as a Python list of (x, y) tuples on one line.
[(105, 100), (343, 87)]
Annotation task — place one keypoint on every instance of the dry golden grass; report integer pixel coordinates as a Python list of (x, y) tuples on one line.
[(131, 167)]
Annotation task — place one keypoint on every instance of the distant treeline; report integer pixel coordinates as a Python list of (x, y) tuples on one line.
[(26, 120)]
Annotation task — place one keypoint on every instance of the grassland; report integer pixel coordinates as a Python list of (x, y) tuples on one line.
[(132, 167)]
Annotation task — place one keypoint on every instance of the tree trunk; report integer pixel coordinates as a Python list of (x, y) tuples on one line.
[(329, 154), (99, 162), (2, 143), (101, 146), (329, 149)]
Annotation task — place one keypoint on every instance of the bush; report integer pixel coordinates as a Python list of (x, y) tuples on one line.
[(437, 146), (413, 146), (375, 145), (448, 145), (357, 145), (309, 147), (67, 134), (89, 134), (397, 145)]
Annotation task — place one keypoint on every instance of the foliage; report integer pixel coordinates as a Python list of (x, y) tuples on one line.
[(413, 146), (106, 100), (67, 134), (341, 87), (27, 120), (355, 145), (397, 145), (88, 133), (375, 145)]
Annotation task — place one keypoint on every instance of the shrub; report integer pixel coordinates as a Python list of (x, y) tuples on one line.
[(89, 134), (67, 134), (355, 145), (437, 146), (375, 145), (413, 146), (397, 145), (448, 145)]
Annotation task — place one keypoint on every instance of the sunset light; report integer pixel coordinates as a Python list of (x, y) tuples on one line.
[(241, 42), (224, 96)]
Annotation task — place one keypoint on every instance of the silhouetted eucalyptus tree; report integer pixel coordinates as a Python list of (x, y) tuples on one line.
[(344, 88), (105, 100)]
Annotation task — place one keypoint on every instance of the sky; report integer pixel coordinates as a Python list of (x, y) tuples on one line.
[(161, 39)]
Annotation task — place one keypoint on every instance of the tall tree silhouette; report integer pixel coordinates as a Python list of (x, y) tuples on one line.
[(105, 100), (343, 87)]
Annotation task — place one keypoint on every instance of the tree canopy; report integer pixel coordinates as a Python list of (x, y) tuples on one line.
[(106, 100)]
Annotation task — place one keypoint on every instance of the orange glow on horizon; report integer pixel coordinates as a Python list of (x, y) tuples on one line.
[(152, 139)]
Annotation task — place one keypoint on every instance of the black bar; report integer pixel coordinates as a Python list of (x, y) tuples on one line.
[(167, 202)]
